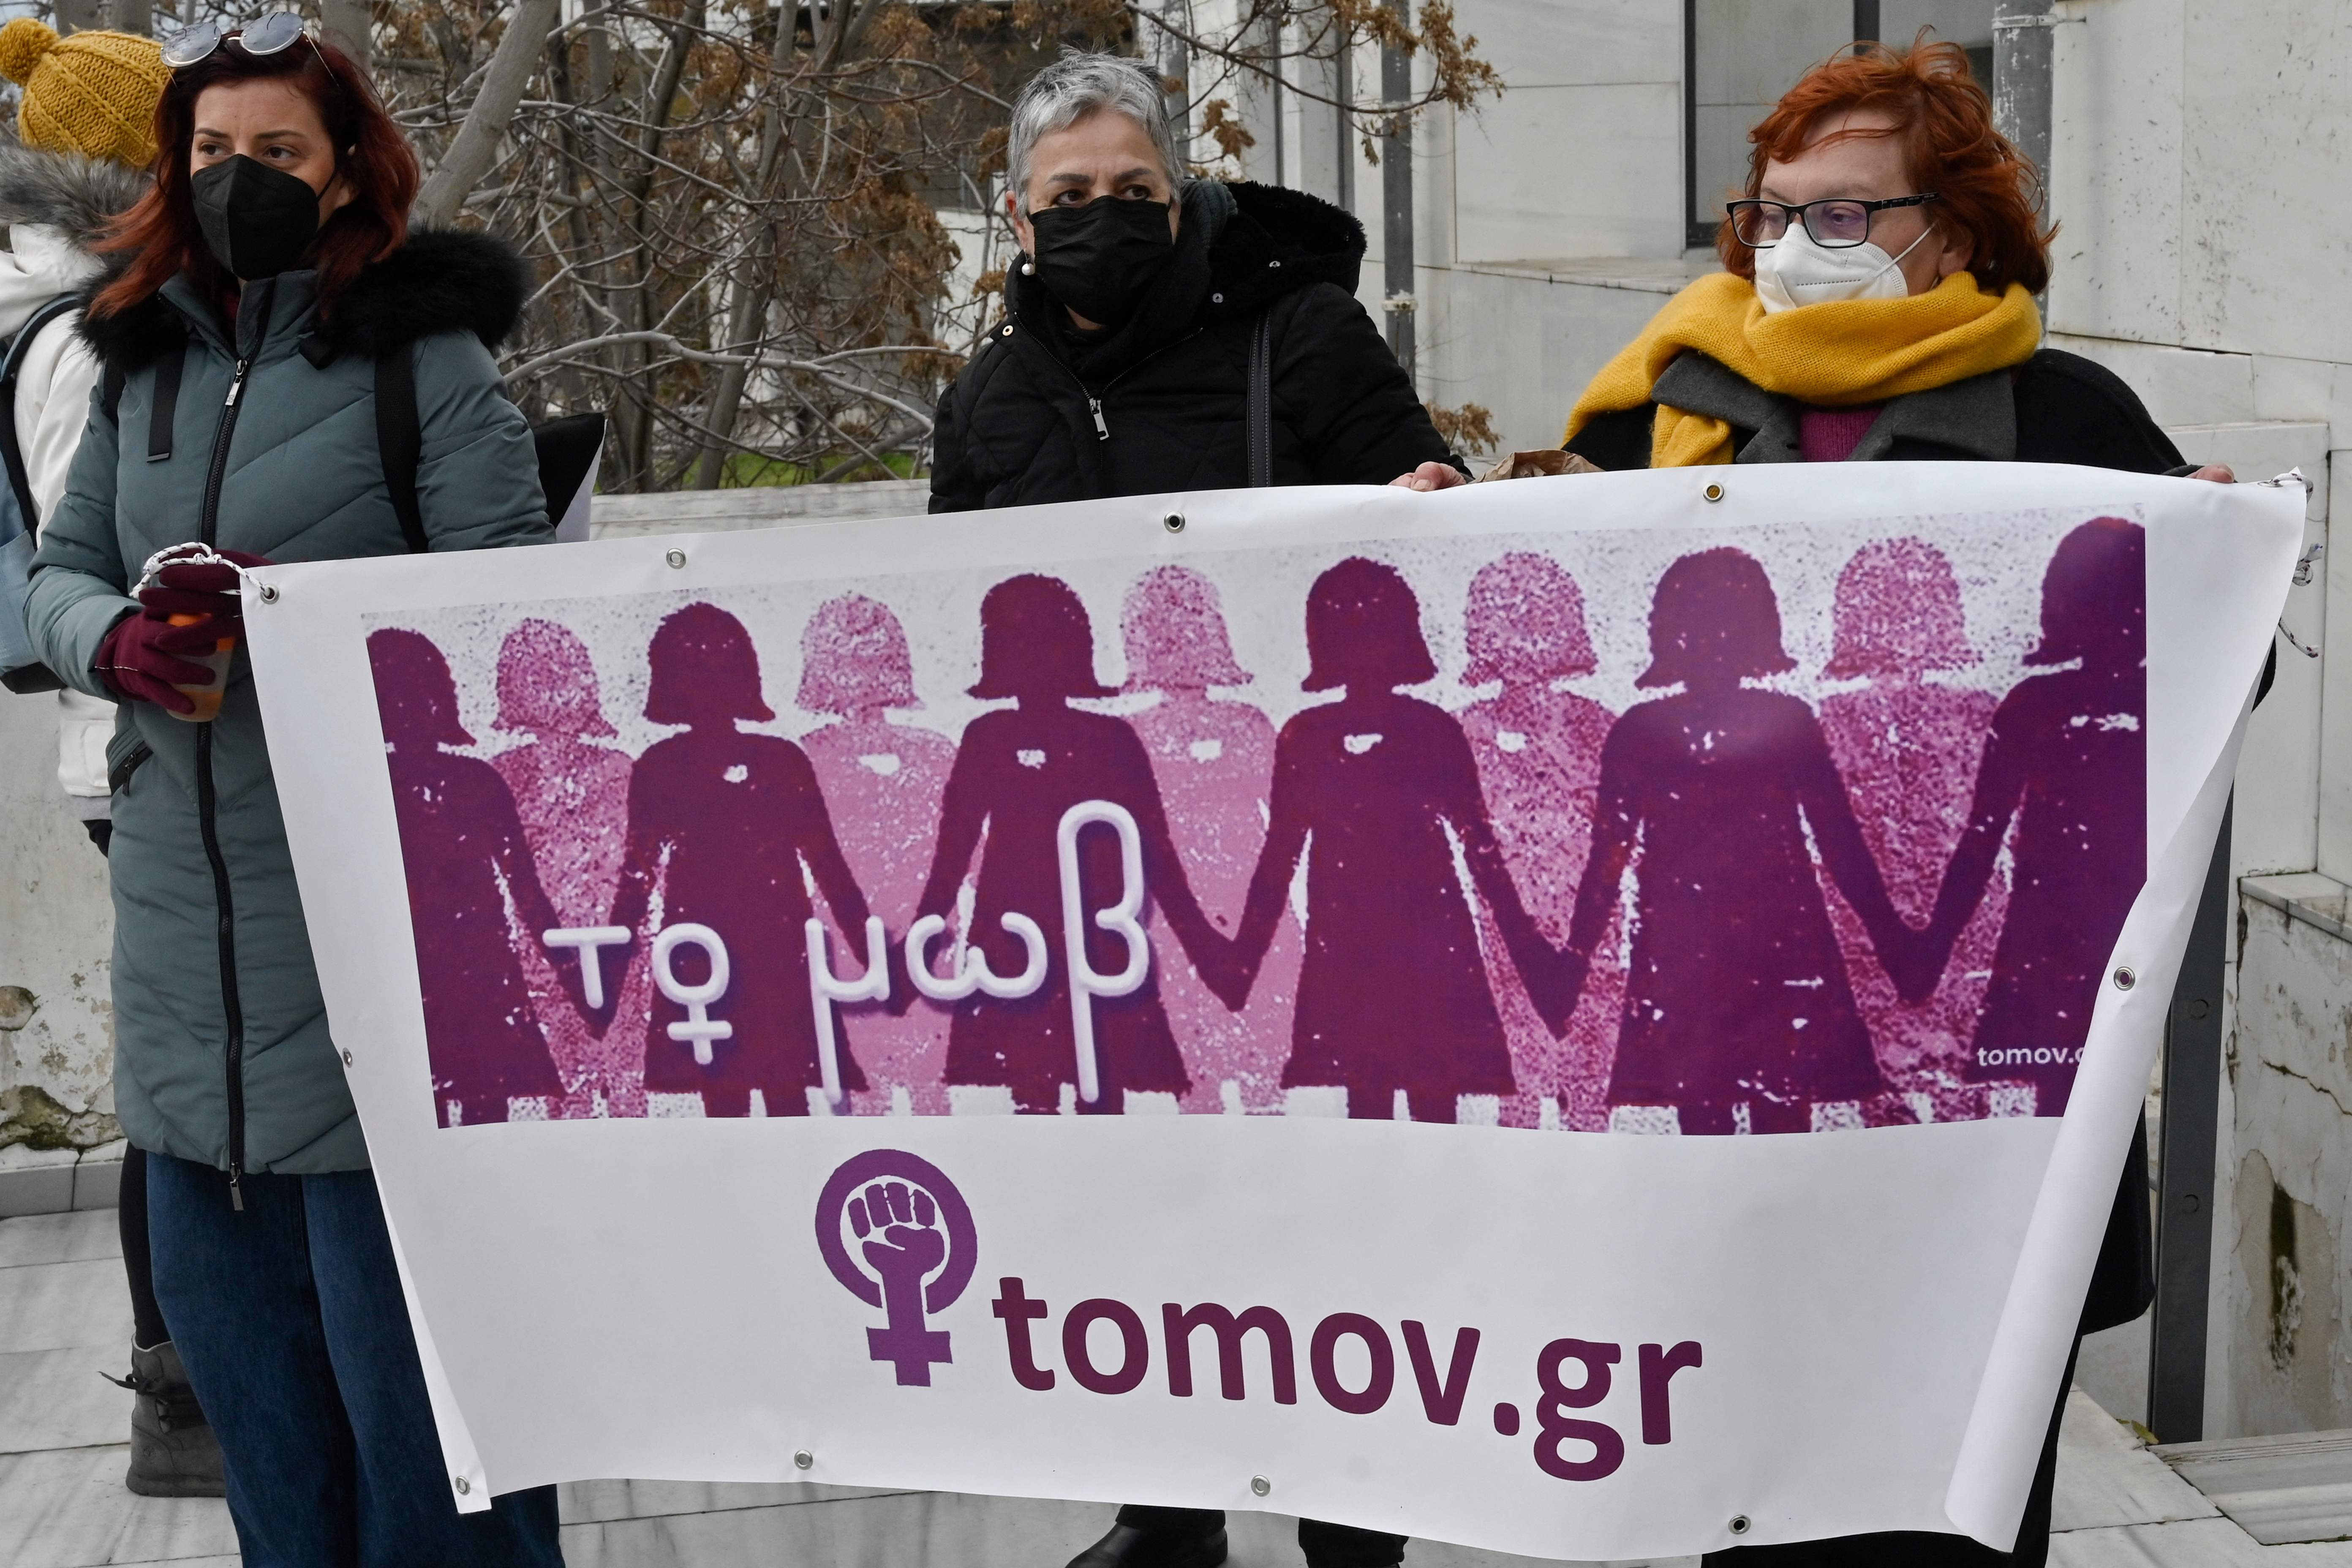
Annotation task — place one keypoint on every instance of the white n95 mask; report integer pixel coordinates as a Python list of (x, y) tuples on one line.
[(1797, 271)]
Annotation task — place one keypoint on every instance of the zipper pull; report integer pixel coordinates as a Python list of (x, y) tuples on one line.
[(236, 386), (236, 1190), (1094, 406)]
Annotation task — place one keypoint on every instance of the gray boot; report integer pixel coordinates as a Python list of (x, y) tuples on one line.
[(173, 1450)]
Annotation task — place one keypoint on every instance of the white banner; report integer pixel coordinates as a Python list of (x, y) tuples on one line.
[(1155, 1000)]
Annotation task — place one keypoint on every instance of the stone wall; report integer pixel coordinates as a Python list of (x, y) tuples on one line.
[(56, 932), (2283, 1289)]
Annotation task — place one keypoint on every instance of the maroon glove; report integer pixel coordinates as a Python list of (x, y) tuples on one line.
[(140, 660), (202, 588)]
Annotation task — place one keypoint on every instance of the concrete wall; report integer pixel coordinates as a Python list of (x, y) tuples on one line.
[(2194, 145), (57, 933)]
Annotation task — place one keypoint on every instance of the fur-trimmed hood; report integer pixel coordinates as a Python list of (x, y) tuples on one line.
[(441, 281), (76, 196)]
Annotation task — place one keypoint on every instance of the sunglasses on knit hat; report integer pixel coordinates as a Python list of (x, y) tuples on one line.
[(272, 34)]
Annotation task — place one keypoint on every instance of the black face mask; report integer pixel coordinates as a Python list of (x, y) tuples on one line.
[(1099, 259), (256, 220)]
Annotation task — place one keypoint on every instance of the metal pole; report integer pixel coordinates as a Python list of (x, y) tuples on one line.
[(2021, 77), (1343, 88), (1176, 64), (2185, 1175), (1865, 21), (1396, 195)]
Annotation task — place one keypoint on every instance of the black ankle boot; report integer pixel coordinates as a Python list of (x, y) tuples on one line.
[(1129, 1546), (173, 1450)]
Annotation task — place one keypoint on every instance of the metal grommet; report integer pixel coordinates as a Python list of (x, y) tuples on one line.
[(269, 593), (347, 1058), (1273, 265), (1008, 332), (676, 557), (1216, 299), (1740, 1524), (1260, 1485), (464, 1486), (1713, 493), (1173, 522), (802, 1459), (2125, 979)]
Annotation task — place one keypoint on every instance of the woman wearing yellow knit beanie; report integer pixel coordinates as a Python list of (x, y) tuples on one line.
[(93, 93)]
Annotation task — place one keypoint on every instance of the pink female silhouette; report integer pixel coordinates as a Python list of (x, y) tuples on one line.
[(1394, 992), (1016, 772), (721, 825), (573, 794), (1905, 745), (1214, 764), (1737, 991), (2067, 760), (885, 782), (1539, 754), (467, 863)]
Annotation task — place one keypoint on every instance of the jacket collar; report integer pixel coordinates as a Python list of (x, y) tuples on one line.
[(272, 313), (1972, 418), (442, 280)]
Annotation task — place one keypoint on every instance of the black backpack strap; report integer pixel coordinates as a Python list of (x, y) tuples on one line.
[(1261, 400), (165, 410), (400, 439), (11, 452)]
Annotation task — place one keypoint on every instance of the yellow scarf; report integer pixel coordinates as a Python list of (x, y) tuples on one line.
[(1840, 353)]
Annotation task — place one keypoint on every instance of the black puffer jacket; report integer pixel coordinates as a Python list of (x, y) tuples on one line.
[(1020, 427)]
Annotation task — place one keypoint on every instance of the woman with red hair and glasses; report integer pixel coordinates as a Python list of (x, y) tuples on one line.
[(256, 291), (1876, 302)]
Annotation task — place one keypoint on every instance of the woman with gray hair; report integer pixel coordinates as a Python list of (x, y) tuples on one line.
[(1139, 309)]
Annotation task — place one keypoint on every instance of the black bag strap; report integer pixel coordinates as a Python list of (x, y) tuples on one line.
[(400, 439), (1261, 400), (11, 452), (165, 412)]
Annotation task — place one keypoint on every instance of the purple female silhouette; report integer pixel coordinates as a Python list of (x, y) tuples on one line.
[(2067, 760), (1905, 745), (721, 824), (1737, 991), (1393, 994), (468, 864), (1214, 764), (1016, 772), (884, 782), (1538, 754), (573, 794)]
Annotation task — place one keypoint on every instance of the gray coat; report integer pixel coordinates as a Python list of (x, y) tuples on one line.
[(222, 1053)]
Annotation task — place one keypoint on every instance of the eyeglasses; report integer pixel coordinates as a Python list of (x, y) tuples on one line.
[(272, 34), (1837, 223)]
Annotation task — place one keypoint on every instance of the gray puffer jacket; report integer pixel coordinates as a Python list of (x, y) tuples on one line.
[(221, 1047)]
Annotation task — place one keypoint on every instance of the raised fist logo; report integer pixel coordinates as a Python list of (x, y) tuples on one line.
[(898, 1228), (915, 1233)]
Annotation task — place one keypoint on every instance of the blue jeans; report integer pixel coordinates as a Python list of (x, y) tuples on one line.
[(290, 1319)]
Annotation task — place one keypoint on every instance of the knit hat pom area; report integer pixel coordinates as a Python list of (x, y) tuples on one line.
[(93, 93), (23, 42)]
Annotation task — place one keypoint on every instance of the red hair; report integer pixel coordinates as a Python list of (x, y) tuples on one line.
[(160, 234), (1984, 187)]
